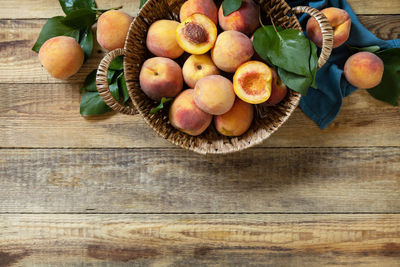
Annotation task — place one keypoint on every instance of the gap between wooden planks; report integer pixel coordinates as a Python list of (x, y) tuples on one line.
[(50, 8), (175, 240), (175, 180)]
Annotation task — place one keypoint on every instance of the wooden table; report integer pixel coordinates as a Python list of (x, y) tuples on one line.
[(106, 191)]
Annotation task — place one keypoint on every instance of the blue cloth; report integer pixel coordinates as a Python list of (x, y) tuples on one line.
[(322, 105)]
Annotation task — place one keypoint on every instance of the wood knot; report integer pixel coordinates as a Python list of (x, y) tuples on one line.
[(195, 33)]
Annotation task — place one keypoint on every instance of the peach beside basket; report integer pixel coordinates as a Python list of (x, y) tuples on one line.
[(266, 120)]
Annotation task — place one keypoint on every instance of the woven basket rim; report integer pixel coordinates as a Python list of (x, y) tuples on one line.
[(293, 100)]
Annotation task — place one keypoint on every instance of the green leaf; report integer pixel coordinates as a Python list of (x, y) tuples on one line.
[(86, 41), (114, 90), (313, 64), (70, 5), (293, 80), (230, 6), (291, 52), (142, 2), (122, 87), (110, 75), (80, 19), (389, 89), (93, 104), (117, 63), (55, 27), (371, 49), (90, 82), (288, 49), (161, 105)]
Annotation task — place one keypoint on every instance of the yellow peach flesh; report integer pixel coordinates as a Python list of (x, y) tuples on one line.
[(252, 82)]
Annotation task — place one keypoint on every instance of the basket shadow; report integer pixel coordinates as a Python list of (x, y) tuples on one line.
[(261, 169)]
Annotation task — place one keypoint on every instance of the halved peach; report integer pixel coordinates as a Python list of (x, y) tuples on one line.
[(252, 82), (196, 34)]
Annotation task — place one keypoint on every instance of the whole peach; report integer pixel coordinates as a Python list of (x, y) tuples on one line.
[(214, 94), (61, 56), (231, 50), (205, 7), (364, 70), (112, 29), (185, 116), (245, 19), (161, 39), (236, 121), (160, 77), (341, 24), (197, 67)]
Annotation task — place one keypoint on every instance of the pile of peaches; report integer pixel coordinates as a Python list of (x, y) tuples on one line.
[(222, 79)]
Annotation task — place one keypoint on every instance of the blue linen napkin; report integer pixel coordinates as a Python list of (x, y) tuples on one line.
[(322, 105)]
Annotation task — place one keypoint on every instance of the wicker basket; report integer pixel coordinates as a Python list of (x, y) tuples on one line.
[(266, 120)]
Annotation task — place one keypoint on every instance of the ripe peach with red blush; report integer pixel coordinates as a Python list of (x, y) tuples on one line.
[(160, 77), (185, 116), (341, 24), (245, 19)]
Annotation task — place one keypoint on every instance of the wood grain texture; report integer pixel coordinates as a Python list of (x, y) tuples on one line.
[(27, 9), (47, 115), (19, 64), (212, 240), (50, 8), (174, 180)]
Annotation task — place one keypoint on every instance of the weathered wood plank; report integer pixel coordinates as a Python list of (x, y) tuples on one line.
[(47, 115), (212, 240), (174, 180), (27, 9), (50, 8), (19, 64)]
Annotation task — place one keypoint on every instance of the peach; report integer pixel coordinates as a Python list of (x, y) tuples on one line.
[(231, 50), (205, 7), (196, 34), (214, 94), (160, 77), (245, 19), (341, 24), (197, 67), (252, 82), (185, 116), (364, 70), (112, 29), (161, 39), (278, 90), (61, 56), (236, 121)]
